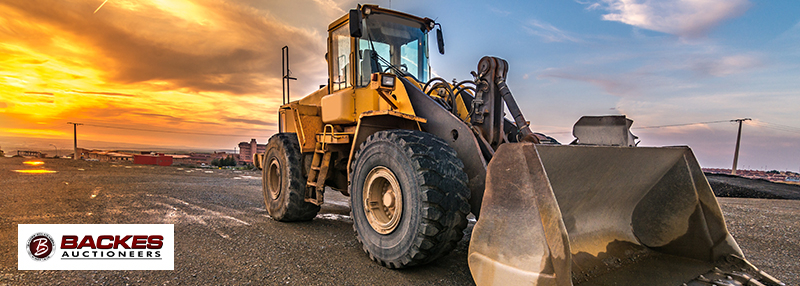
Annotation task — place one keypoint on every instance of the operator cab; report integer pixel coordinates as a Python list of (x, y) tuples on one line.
[(374, 40)]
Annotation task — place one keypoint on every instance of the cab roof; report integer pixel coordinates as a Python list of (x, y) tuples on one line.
[(375, 9)]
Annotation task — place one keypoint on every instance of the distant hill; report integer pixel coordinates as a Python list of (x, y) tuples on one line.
[(11, 144)]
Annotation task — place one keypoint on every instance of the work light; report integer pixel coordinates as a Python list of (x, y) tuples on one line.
[(387, 80)]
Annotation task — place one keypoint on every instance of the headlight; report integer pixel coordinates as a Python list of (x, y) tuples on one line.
[(387, 80)]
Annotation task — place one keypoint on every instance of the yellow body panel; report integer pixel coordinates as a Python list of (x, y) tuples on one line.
[(462, 109), (401, 96), (366, 100), (344, 106), (339, 107), (314, 98), (305, 120), (287, 120)]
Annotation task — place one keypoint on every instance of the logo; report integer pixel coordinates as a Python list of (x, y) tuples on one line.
[(95, 247), (40, 246)]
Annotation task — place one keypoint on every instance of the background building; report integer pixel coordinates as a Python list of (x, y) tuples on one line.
[(246, 150), (152, 159)]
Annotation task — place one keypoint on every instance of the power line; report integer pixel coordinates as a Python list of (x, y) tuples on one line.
[(660, 126), (167, 131), (682, 124), (779, 127)]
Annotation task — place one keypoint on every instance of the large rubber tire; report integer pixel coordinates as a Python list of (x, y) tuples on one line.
[(434, 197), (283, 180)]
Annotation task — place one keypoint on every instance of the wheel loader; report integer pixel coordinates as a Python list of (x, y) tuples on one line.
[(416, 155)]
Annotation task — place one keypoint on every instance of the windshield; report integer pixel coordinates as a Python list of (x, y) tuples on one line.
[(395, 41)]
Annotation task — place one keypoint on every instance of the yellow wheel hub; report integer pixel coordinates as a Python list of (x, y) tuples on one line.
[(274, 178), (383, 200)]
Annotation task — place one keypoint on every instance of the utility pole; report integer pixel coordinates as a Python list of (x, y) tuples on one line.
[(75, 138), (738, 139)]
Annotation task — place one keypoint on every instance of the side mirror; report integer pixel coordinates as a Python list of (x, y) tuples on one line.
[(440, 40), (355, 23)]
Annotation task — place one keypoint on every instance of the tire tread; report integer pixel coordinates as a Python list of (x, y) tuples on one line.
[(296, 208), (445, 196)]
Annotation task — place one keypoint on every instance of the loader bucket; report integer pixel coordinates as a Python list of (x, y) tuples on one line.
[(592, 215)]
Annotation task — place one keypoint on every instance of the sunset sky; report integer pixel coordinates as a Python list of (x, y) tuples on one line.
[(206, 73)]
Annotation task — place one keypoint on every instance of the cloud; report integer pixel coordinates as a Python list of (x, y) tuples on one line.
[(658, 67), (727, 65), (35, 132), (34, 97), (615, 84), (39, 93), (249, 121), (220, 46), (170, 117), (684, 18), (178, 64), (502, 13), (104, 93), (331, 6), (548, 32)]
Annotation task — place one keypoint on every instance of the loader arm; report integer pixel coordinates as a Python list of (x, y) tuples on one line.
[(476, 136), (487, 117), (458, 135)]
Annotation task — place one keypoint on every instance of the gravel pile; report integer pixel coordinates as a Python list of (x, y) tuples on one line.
[(739, 187)]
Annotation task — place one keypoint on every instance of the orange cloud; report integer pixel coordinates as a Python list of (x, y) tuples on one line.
[(162, 65)]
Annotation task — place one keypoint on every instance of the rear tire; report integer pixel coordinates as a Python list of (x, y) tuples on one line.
[(409, 197), (283, 180)]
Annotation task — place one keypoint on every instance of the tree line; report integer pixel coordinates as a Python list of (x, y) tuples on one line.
[(228, 161)]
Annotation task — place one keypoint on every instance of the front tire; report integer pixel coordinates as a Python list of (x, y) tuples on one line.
[(283, 181), (409, 197)]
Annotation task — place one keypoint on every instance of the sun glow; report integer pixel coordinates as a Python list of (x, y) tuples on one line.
[(35, 171), (33, 163)]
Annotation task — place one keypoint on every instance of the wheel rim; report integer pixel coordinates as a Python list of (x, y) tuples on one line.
[(274, 178), (383, 200)]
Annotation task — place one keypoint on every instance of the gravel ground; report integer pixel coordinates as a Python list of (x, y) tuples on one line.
[(224, 236), (768, 232)]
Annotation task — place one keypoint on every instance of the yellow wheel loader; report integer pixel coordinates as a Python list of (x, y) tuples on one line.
[(416, 155)]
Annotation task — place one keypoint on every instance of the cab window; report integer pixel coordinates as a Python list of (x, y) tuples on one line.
[(392, 44), (340, 58)]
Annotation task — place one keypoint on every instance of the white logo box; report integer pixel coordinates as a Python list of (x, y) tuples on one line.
[(143, 251)]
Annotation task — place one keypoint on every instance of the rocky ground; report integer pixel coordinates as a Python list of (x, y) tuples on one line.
[(224, 236)]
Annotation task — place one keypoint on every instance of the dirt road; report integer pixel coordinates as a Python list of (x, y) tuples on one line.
[(224, 236)]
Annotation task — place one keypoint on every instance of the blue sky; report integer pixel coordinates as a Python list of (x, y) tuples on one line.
[(213, 66), (658, 62)]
